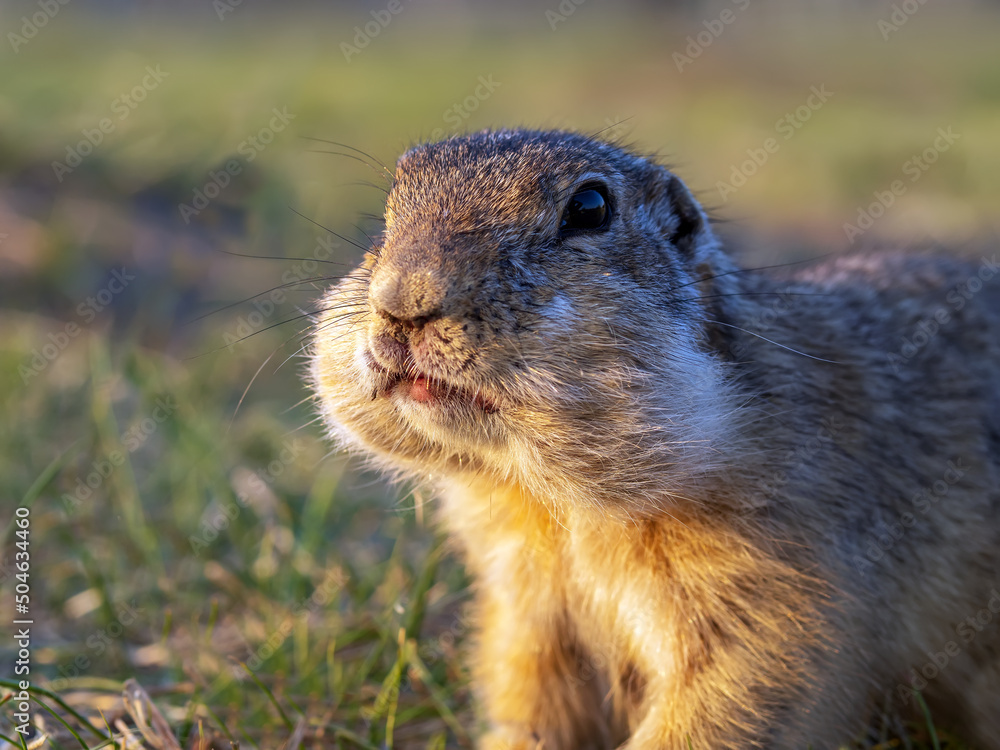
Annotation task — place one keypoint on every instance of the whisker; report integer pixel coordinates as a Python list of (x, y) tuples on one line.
[(300, 350), (748, 270), (255, 333), (764, 338), (612, 126), (327, 229), (289, 285), (753, 294), (285, 257), (371, 158), (303, 333), (371, 241), (346, 156), (366, 183), (247, 390)]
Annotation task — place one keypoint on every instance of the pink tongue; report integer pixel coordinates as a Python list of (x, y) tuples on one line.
[(419, 391)]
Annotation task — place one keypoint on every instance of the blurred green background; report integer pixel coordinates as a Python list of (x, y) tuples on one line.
[(189, 525)]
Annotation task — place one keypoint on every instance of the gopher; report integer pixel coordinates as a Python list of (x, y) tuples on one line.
[(703, 506)]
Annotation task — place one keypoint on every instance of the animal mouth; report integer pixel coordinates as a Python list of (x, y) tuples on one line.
[(430, 391)]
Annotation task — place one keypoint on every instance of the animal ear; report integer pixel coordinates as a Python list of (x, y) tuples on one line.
[(680, 218)]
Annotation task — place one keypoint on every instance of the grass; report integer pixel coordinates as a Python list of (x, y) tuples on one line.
[(261, 592), (181, 566)]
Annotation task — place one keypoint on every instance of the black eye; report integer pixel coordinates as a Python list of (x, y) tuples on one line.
[(588, 209)]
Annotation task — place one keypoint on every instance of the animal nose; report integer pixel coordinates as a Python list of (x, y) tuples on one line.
[(409, 299)]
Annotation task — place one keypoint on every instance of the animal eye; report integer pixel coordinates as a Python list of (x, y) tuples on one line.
[(588, 209)]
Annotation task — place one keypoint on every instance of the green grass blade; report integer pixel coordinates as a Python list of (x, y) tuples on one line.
[(437, 694), (935, 743), (418, 608), (62, 704), (40, 483), (274, 701), (62, 721)]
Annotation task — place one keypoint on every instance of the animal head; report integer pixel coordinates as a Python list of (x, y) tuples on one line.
[(533, 312)]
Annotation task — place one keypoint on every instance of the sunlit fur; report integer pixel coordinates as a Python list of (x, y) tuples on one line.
[(668, 502)]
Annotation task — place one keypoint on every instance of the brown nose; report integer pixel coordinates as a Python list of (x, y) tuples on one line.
[(410, 298)]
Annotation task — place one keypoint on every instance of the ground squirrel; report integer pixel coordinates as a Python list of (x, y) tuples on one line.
[(703, 507)]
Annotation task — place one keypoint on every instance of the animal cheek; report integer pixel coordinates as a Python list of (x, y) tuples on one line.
[(444, 335), (560, 312)]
